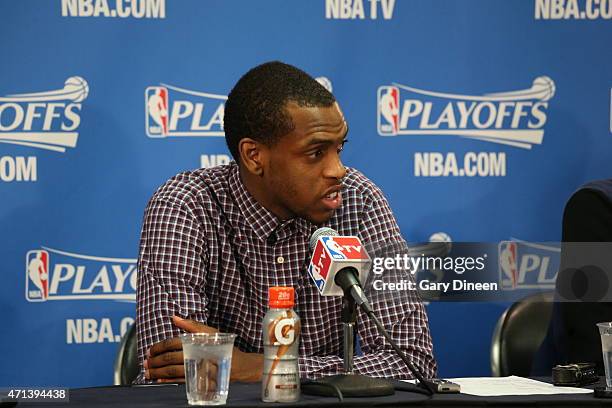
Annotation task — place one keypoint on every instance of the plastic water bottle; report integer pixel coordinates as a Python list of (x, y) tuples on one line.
[(281, 335)]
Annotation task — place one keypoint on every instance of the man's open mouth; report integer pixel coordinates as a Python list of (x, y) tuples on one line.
[(333, 200)]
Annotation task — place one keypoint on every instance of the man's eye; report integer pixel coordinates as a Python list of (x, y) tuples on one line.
[(317, 153)]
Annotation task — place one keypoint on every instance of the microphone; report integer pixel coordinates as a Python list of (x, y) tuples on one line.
[(339, 265)]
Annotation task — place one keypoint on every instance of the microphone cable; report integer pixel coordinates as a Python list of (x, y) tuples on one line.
[(347, 279), (400, 353)]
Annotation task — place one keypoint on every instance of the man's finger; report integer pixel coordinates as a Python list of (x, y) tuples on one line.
[(173, 344), (191, 326), (208, 382), (212, 370), (208, 385), (171, 380), (171, 371), (165, 359)]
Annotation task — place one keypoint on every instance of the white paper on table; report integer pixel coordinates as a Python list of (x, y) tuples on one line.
[(513, 385)]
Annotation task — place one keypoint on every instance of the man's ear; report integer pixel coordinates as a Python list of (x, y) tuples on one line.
[(252, 155)]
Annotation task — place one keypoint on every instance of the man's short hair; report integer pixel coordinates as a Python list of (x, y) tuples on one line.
[(255, 108)]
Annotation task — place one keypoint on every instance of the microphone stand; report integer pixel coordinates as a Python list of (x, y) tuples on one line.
[(349, 384), (348, 317)]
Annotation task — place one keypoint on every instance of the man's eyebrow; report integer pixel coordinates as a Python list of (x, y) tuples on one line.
[(320, 141)]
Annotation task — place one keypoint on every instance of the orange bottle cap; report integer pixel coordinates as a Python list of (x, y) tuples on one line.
[(281, 297)]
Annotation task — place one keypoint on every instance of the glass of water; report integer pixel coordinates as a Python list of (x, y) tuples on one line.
[(208, 363), (605, 331)]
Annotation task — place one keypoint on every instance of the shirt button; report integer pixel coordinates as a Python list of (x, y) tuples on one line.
[(280, 260)]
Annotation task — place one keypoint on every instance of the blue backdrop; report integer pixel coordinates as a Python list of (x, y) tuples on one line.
[(477, 118)]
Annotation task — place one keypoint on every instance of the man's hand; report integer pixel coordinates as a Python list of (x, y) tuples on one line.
[(246, 367), (164, 362)]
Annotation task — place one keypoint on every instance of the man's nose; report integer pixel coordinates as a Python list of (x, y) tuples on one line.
[(335, 169)]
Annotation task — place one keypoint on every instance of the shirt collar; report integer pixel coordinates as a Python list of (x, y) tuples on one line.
[(262, 221)]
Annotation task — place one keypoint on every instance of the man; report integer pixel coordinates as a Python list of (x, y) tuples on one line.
[(214, 240), (572, 335)]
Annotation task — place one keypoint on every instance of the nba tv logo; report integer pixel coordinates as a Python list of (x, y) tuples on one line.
[(37, 275), (175, 112)]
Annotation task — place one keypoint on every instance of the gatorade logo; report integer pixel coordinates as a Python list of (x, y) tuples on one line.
[(284, 332)]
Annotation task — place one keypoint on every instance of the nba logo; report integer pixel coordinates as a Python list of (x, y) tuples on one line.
[(318, 269), (508, 264), (315, 273), (156, 101), (335, 250), (388, 110), (37, 276)]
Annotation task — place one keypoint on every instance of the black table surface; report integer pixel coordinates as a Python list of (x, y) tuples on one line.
[(248, 395)]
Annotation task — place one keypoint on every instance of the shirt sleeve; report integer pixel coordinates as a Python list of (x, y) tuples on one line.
[(401, 311), (171, 274)]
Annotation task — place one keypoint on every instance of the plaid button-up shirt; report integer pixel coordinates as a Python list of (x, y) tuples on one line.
[(209, 252)]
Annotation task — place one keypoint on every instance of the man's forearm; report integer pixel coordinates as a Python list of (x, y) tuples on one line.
[(378, 364)]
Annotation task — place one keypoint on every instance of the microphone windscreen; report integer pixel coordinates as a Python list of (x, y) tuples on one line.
[(321, 232)]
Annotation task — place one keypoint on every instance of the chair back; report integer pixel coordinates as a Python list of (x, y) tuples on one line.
[(518, 335), (126, 362)]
